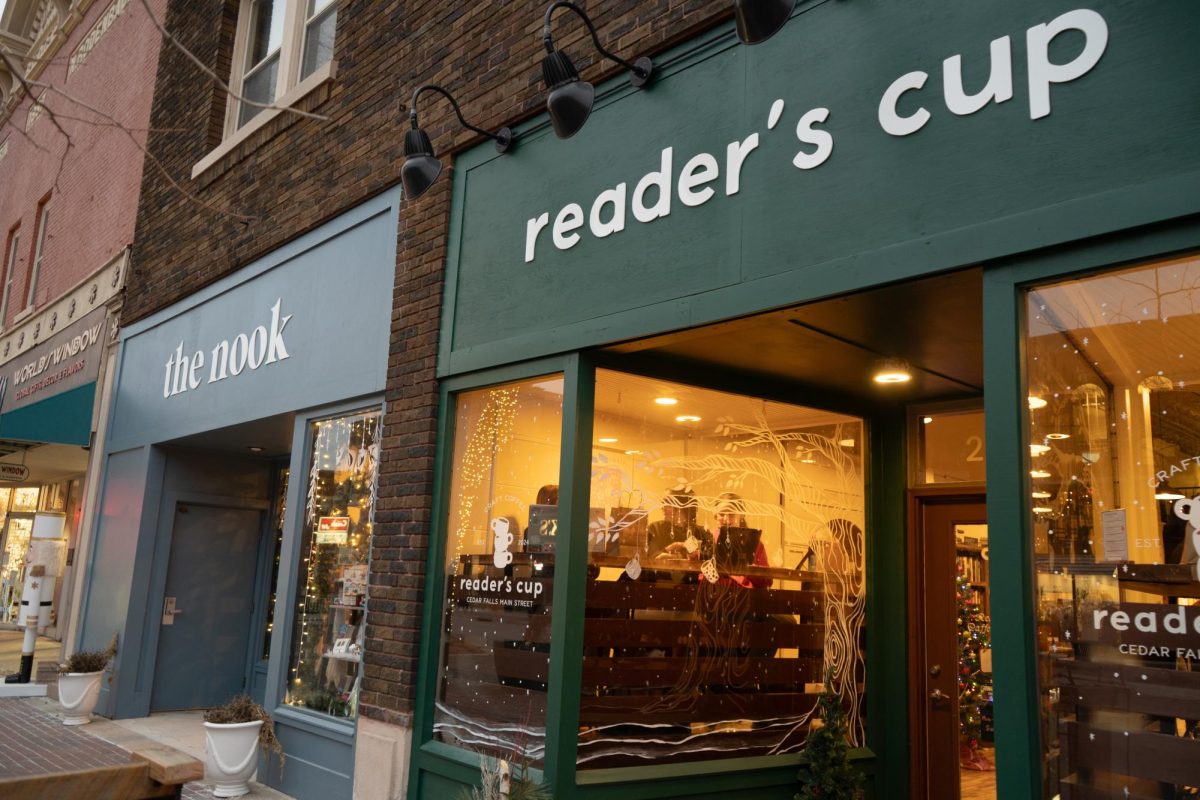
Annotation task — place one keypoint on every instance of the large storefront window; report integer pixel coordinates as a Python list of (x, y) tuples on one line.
[(726, 574), (1114, 423), (500, 533), (328, 633)]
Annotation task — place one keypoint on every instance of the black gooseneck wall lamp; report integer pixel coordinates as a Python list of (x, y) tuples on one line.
[(420, 168), (569, 100), (759, 20)]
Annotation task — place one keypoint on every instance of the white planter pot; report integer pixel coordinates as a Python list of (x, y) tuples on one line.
[(78, 693), (231, 756)]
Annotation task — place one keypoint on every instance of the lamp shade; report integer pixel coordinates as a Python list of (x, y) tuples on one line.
[(569, 101), (420, 168), (759, 20)]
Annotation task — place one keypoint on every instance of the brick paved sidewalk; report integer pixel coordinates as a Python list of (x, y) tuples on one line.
[(33, 741)]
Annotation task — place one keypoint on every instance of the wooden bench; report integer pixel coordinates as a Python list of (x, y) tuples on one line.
[(153, 771)]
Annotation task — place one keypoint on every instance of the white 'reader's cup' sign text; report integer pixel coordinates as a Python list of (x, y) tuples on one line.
[(653, 193), (228, 358)]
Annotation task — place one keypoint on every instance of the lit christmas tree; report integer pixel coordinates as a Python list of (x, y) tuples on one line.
[(974, 695)]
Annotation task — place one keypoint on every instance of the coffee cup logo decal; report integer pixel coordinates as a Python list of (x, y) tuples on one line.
[(504, 538), (1189, 511)]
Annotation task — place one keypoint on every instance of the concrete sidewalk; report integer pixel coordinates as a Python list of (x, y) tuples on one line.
[(45, 651), (33, 740)]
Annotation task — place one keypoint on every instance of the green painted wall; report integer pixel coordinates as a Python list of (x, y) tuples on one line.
[(1116, 150)]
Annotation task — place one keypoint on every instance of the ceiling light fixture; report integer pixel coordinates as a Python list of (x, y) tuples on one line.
[(665, 401), (1168, 495), (759, 20), (1039, 473), (255, 448), (421, 168), (569, 99), (1041, 495), (687, 418), (927, 420), (1042, 510), (607, 440), (892, 370), (1058, 436), (633, 452), (1036, 402), (1038, 449)]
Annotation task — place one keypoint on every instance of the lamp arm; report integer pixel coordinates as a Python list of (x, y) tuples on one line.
[(549, 44), (433, 87)]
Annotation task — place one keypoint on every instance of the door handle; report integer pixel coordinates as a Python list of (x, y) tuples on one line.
[(169, 611), (937, 695)]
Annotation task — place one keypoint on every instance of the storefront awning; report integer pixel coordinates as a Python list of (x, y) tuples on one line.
[(65, 418)]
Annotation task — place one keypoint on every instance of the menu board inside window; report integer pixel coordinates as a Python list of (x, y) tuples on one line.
[(1113, 365)]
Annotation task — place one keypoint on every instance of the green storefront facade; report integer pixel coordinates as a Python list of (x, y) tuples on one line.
[(1005, 196)]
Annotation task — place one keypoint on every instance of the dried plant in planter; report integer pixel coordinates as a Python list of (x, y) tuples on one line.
[(89, 660), (243, 709), (506, 780)]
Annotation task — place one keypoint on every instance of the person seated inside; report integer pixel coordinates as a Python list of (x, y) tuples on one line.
[(678, 522), (730, 514)]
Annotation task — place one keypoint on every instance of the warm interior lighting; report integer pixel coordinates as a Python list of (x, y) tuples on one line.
[(666, 401), (633, 452), (255, 448), (846, 443), (687, 418), (607, 440), (1058, 436), (1042, 510), (1168, 495), (1038, 449), (1039, 473), (1036, 402), (927, 420), (1041, 495), (892, 370)]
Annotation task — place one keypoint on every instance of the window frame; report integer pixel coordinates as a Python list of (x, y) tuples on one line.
[(430, 757), (14, 244), (39, 243), (291, 56)]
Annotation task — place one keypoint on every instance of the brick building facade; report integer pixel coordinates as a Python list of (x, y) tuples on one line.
[(296, 172), (71, 156)]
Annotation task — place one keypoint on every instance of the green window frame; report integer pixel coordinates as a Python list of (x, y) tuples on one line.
[(439, 769)]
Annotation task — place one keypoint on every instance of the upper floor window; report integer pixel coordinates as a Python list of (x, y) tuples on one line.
[(10, 266), (39, 250), (279, 44)]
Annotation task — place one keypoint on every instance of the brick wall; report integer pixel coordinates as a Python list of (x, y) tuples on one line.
[(298, 172), (94, 183)]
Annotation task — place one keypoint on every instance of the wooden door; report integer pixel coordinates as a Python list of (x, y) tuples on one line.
[(933, 657)]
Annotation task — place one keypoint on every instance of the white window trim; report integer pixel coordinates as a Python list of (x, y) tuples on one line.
[(35, 267), (13, 245), (326, 72)]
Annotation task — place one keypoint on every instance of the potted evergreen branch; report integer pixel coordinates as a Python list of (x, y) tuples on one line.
[(830, 775), (234, 733), (79, 683)]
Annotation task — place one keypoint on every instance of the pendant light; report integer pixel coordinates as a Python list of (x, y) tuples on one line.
[(421, 168), (759, 20), (569, 99)]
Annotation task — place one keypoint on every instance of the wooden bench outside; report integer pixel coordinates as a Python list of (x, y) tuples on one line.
[(153, 771)]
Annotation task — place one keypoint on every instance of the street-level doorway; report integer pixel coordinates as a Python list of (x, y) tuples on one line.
[(950, 661), (208, 606)]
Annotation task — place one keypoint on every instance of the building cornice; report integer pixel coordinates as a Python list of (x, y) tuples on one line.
[(101, 288)]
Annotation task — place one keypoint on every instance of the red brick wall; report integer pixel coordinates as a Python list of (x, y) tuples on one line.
[(296, 173), (93, 182)]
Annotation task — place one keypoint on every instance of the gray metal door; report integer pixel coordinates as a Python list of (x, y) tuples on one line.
[(205, 623)]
